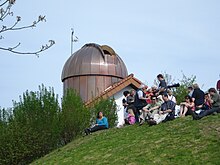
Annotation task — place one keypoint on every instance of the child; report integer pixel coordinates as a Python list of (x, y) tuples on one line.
[(131, 117)]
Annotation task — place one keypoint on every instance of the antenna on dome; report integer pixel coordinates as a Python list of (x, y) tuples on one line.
[(73, 39)]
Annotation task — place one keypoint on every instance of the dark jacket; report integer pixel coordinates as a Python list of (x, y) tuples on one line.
[(169, 105)]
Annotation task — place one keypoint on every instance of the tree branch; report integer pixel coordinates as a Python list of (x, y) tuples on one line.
[(5, 13), (43, 48), (40, 19), (3, 3), (5, 10)]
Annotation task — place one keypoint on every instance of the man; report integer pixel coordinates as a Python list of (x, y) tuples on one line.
[(130, 101), (124, 100), (150, 110), (166, 113), (163, 85), (198, 97), (190, 91), (215, 101), (140, 100), (125, 104)]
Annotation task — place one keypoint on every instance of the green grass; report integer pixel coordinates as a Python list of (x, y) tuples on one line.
[(182, 141)]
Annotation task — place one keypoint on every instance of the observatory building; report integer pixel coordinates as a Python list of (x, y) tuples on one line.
[(95, 72), (92, 69)]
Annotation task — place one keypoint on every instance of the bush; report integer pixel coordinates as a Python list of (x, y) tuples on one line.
[(36, 125), (74, 116), (182, 90), (109, 109), (33, 129)]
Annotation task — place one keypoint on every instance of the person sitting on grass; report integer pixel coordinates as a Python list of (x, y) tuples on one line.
[(214, 99), (150, 110), (198, 97), (185, 106), (166, 113), (100, 124), (204, 111), (131, 117), (208, 100)]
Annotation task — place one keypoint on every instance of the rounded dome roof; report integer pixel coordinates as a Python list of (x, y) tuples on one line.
[(93, 59)]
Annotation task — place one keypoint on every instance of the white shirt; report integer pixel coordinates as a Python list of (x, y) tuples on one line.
[(172, 98)]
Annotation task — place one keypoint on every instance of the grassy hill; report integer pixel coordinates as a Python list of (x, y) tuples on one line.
[(182, 141)]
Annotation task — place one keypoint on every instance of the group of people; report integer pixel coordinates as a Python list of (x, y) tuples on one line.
[(157, 104)]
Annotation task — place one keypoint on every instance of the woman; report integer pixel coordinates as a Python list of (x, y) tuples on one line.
[(101, 123), (185, 106)]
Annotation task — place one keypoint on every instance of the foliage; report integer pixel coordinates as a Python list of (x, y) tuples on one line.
[(182, 91), (5, 12), (181, 141), (75, 116), (32, 130), (109, 109), (4, 116), (36, 125)]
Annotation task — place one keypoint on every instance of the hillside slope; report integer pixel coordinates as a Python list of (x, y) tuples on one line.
[(182, 141)]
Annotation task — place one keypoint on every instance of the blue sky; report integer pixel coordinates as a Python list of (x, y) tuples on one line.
[(151, 37)]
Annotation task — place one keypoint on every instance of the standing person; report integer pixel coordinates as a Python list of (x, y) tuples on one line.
[(162, 85), (198, 97), (130, 101), (125, 104), (124, 100), (100, 124), (218, 86), (140, 100)]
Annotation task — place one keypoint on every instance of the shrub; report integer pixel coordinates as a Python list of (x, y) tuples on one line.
[(33, 129), (74, 116), (182, 90)]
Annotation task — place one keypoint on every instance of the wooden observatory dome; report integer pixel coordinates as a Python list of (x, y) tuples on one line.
[(92, 69)]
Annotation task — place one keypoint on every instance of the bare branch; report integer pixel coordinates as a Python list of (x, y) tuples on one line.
[(3, 3), (43, 48), (5, 12), (14, 47), (12, 28)]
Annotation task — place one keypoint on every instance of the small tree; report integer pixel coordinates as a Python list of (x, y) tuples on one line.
[(5, 12), (75, 116), (182, 91), (33, 129)]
